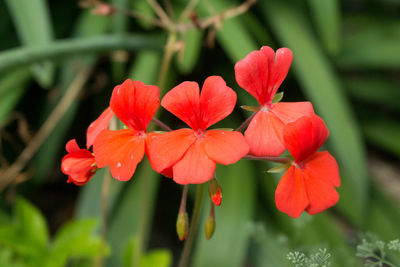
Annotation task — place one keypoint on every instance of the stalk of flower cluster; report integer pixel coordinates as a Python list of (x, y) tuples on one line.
[(182, 222), (185, 256)]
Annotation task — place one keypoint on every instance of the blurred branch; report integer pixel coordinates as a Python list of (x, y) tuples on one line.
[(216, 19), (27, 55), (14, 170)]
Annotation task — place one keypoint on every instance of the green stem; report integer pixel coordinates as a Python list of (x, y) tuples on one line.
[(17, 57), (166, 63), (185, 256)]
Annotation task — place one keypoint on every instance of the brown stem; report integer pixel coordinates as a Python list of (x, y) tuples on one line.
[(245, 123), (161, 124), (272, 159), (72, 92), (182, 207)]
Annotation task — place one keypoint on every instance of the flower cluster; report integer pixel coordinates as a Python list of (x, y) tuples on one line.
[(190, 155)]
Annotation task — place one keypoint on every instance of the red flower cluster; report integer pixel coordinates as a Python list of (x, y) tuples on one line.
[(190, 155)]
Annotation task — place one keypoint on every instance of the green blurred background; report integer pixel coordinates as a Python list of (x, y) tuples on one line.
[(59, 63)]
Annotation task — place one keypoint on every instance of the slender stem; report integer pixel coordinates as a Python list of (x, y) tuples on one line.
[(182, 207), (273, 159), (62, 107), (17, 57), (165, 64), (160, 13), (245, 123), (185, 256), (161, 124)]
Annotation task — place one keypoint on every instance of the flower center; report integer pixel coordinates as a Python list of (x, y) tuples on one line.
[(199, 133), (266, 107), (299, 165), (141, 134)]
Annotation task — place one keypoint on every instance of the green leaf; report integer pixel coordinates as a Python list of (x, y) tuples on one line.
[(191, 51), (381, 91), (383, 133), (130, 211), (326, 17), (75, 240), (88, 25), (371, 45), (233, 218), (158, 257), (31, 224), (319, 82), (32, 20), (278, 97), (12, 88)]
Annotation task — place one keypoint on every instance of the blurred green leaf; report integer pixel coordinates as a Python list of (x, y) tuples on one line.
[(31, 224), (383, 133), (326, 17), (32, 20), (129, 212), (12, 88), (319, 82), (371, 45), (77, 239), (144, 8), (158, 257), (145, 68), (193, 40), (383, 92), (233, 218), (88, 25)]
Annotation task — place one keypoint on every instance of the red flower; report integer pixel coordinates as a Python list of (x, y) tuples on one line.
[(309, 184), (100, 124), (79, 164), (190, 155), (134, 103), (261, 73)]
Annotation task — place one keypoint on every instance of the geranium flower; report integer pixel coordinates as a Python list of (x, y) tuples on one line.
[(190, 155), (134, 103), (261, 73), (309, 184), (97, 126), (79, 164)]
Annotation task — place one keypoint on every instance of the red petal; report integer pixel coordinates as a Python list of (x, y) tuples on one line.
[(224, 147), (282, 61), (184, 102), (135, 103), (323, 165), (261, 72), (122, 150), (321, 194), (264, 135), (216, 101), (195, 167), (289, 112), (166, 149), (80, 166), (305, 136), (72, 146), (100, 124), (290, 195), (252, 74)]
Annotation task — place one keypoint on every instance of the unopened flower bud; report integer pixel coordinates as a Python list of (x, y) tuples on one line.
[(182, 225), (209, 226), (215, 191)]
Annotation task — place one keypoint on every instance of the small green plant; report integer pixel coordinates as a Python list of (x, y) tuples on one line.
[(374, 251), (319, 259)]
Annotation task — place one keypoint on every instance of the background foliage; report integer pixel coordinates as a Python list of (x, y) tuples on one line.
[(59, 63)]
